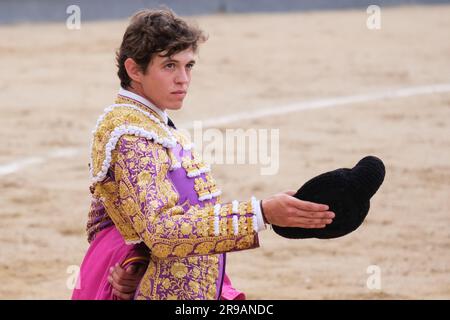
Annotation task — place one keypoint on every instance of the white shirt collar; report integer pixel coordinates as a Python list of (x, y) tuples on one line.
[(145, 102)]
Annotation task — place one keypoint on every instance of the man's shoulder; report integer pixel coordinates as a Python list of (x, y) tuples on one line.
[(131, 120), (129, 125)]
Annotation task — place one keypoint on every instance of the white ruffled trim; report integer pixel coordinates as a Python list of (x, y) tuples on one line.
[(216, 219), (117, 105), (235, 206), (235, 225), (114, 138), (196, 173), (216, 194), (188, 147), (175, 165), (133, 242), (235, 211), (254, 217), (148, 114), (255, 223), (209, 196)]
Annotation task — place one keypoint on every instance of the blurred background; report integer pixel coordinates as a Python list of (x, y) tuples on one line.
[(339, 79)]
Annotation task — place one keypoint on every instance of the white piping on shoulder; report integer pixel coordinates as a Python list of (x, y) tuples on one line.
[(114, 138), (131, 106), (171, 142)]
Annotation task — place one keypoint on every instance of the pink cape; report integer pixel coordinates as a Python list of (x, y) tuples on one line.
[(109, 248)]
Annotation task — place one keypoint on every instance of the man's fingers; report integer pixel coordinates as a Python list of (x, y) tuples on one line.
[(315, 226), (141, 270), (318, 221), (311, 222), (123, 296), (308, 206), (121, 280), (317, 215), (124, 288), (121, 273), (131, 269), (309, 226)]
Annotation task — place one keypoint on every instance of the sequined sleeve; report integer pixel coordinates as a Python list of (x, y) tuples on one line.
[(149, 199)]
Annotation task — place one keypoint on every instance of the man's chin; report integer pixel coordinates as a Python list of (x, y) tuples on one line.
[(175, 106)]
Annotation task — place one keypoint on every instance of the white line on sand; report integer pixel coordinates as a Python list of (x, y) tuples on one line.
[(259, 113), (327, 103), (22, 163)]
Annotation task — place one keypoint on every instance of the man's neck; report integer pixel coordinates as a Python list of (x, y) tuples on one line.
[(134, 95), (140, 92)]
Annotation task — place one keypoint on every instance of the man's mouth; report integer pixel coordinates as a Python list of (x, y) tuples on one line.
[(179, 93)]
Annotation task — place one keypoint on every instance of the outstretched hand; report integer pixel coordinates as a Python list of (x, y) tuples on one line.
[(284, 210)]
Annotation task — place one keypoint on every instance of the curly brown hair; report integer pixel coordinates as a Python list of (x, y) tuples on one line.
[(155, 32)]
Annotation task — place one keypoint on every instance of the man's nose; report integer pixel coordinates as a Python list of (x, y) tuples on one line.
[(182, 77)]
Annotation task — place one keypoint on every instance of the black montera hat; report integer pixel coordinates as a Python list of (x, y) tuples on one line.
[(347, 192)]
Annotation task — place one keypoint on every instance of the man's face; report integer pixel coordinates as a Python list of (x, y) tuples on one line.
[(166, 80)]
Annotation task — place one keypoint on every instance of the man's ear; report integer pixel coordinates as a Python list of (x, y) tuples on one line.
[(133, 70)]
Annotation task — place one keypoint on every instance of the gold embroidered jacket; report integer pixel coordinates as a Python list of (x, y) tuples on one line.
[(156, 190)]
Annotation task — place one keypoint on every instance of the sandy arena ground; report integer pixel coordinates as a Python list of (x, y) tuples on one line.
[(55, 82)]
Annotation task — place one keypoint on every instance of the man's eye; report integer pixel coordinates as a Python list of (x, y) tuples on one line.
[(170, 65), (190, 65)]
